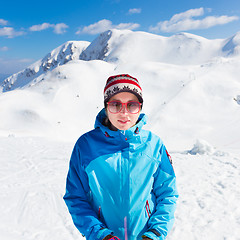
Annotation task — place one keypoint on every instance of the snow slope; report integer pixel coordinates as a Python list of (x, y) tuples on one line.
[(191, 90)]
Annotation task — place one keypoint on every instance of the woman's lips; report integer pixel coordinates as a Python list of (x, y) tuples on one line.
[(123, 121)]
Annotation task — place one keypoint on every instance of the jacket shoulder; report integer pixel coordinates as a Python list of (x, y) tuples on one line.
[(88, 135)]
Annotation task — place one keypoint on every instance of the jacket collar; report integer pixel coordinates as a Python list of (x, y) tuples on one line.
[(128, 133)]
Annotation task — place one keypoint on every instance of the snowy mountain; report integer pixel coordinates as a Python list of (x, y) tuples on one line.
[(122, 47), (191, 86), (69, 51), (184, 48)]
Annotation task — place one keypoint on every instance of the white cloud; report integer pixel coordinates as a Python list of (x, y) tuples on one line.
[(60, 28), (57, 28), (96, 28), (3, 22), (40, 27), (3, 49), (130, 26), (134, 10), (185, 21), (10, 32), (104, 25), (186, 15)]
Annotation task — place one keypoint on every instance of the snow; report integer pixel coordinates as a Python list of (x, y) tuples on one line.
[(191, 90), (208, 206), (32, 183)]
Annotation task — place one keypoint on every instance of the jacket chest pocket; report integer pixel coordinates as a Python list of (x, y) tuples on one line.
[(150, 206)]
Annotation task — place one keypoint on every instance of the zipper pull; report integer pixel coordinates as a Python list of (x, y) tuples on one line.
[(99, 212), (125, 228)]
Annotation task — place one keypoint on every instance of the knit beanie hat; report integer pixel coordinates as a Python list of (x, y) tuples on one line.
[(122, 83)]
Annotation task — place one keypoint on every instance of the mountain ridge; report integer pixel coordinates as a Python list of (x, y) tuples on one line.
[(68, 51), (123, 46)]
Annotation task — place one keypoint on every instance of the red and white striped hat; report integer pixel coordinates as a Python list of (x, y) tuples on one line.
[(122, 83)]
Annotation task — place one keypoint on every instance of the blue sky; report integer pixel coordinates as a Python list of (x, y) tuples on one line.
[(31, 29)]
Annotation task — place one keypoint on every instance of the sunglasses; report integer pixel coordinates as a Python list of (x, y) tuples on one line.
[(131, 106)]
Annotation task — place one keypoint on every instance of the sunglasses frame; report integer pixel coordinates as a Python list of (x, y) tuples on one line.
[(124, 104)]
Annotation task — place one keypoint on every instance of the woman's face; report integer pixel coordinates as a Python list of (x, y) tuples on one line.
[(123, 120)]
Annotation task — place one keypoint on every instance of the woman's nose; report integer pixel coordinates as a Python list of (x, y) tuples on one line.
[(124, 109)]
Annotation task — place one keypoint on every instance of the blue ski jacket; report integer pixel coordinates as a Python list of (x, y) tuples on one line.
[(121, 183)]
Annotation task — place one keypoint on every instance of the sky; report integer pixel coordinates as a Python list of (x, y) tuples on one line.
[(29, 30)]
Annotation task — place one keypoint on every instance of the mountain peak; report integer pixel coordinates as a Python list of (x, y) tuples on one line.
[(68, 51), (232, 45), (106, 45), (98, 49)]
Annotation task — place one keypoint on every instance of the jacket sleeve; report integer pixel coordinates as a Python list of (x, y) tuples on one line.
[(165, 191), (76, 199)]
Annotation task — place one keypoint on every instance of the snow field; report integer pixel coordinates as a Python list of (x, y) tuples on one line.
[(208, 206), (32, 183), (32, 179)]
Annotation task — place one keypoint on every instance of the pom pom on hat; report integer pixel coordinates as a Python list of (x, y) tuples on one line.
[(122, 83)]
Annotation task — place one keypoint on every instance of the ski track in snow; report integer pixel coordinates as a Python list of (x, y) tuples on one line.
[(32, 183)]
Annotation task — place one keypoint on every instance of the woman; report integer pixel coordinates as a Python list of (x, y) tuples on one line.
[(121, 184)]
